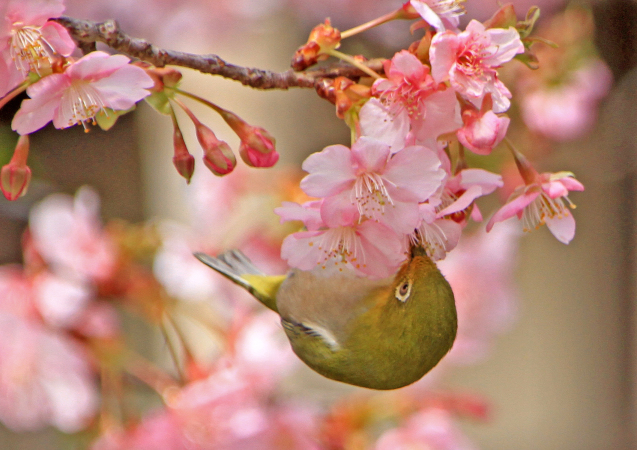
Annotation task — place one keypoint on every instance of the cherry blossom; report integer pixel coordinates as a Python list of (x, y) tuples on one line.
[(469, 60), (541, 201), (432, 428), (568, 110), (407, 85), (91, 84), (45, 378), (67, 233), (28, 40), (384, 187), (440, 14), (483, 129), (367, 247)]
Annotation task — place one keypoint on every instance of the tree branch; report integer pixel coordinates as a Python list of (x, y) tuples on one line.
[(87, 33)]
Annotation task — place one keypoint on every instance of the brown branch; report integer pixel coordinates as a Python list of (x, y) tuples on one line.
[(87, 33)]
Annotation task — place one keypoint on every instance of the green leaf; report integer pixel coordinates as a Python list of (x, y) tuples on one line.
[(107, 117), (525, 27), (159, 101)]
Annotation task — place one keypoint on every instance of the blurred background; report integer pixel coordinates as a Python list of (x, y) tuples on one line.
[(559, 370)]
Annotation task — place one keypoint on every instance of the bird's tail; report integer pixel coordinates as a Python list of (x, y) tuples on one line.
[(236, 266)]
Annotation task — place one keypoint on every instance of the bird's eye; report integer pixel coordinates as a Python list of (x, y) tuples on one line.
[(403, 290)]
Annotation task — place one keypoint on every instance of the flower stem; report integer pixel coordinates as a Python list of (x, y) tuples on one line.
[(353, 62), (372, 23), (172, 349)]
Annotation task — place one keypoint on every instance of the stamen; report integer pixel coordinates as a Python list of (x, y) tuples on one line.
[(543, 207), (29, 50), (370, 195), (81, 103)]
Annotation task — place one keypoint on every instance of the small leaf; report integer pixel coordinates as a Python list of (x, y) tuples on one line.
[(503, 18), (107, 117), (525, 27), (159, 101), (529, 59)]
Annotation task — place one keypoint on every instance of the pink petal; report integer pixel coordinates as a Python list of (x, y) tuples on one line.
[(58, 37), (481, 135), (310, 217), (37, 112), (563, 228), (513, 207), (488, 181), (339, 211), (96, 65), (442, 54), (427, 14), (377, 122), (442, 115), (382, 250), (402, 217), (301, 250), (370, 155), (572, 184), (415, 170), (124, 87), (506, 43), (330, 171), (33, 12), (463, 202), (405, 65)]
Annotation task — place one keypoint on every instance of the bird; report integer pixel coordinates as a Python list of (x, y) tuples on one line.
[(374, 333)]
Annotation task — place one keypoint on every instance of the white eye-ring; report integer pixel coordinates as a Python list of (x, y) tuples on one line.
[(403, 290)]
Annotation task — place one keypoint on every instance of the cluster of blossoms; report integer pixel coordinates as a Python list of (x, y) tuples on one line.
[(96, 89), (61, 335), (405, 179)]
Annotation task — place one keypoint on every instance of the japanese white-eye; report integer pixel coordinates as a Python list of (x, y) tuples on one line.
[(378, 334)]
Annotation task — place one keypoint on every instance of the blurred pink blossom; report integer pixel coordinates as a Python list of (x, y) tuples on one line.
[(567, 111), (86, 87), (45, 378), (68, 235), (481, 273), (429, 429)]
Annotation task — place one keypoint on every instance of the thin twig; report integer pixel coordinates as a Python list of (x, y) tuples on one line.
[(87, 33)]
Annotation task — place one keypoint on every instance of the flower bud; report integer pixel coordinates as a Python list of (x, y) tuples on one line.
[(323, 38), (256, 158), (219, 159), (15, 176), (184, 162)]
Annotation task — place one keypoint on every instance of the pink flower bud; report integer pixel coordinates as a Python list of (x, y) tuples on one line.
[(255, 137), (184, 162), (219, 158), (15, 176), (256, 158)]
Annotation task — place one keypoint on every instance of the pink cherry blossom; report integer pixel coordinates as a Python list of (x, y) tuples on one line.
[(383, 187), (437, 234), (407, 85), (45, 378), (89, 85), (431, 428), (469, 60), (568, 110), (483, 129), (540, 202), (344, 243), (462, 189), (28, 40), (68, 235), (439, 13)]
